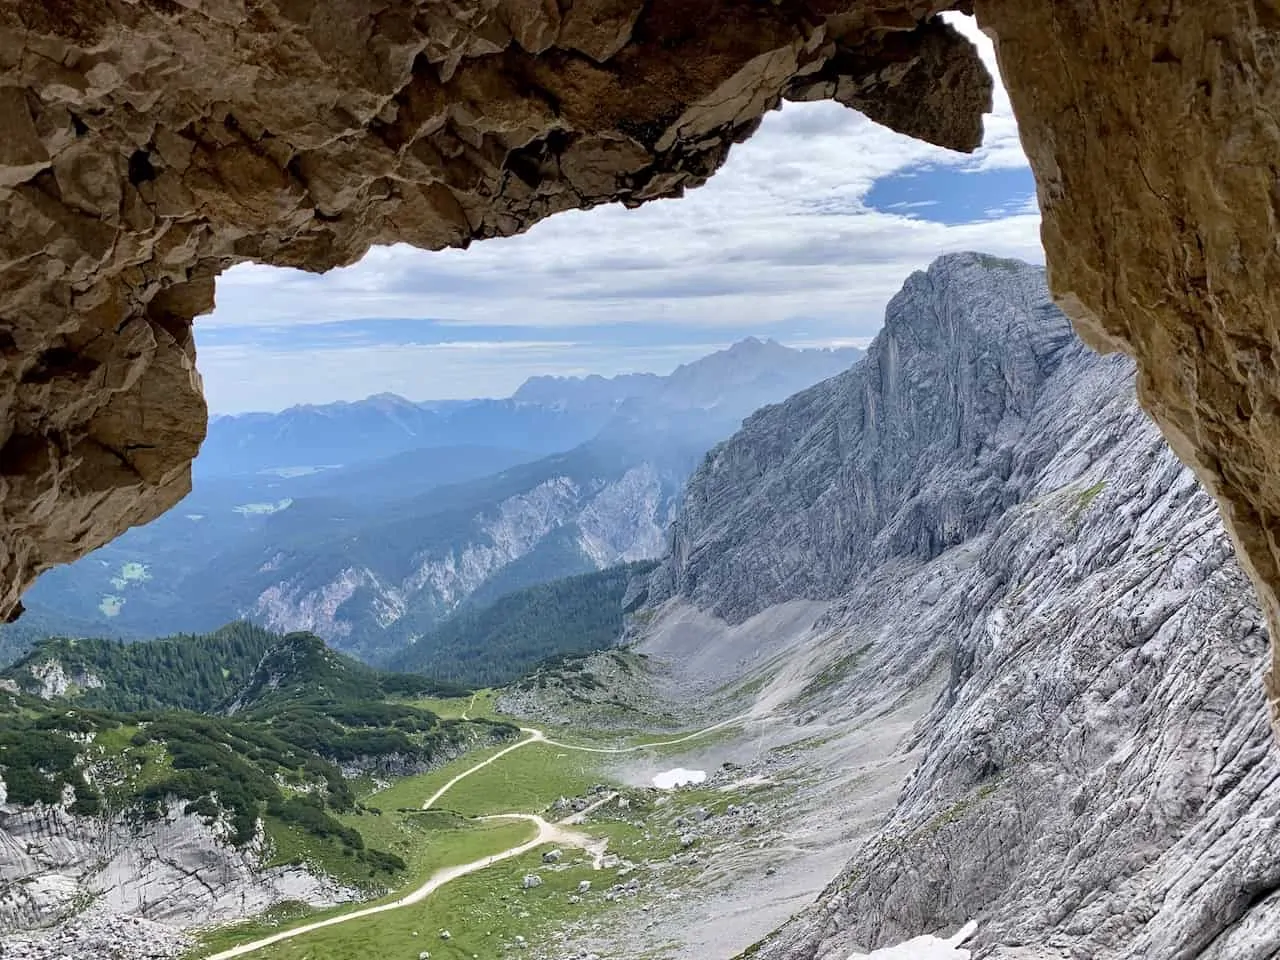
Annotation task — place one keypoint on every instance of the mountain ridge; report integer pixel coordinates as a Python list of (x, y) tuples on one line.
[(349, 551), (834, 459)]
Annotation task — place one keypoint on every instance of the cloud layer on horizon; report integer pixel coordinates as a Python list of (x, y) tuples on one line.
[(804, 235)]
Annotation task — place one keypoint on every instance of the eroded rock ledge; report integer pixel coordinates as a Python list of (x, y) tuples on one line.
[(150, 144)]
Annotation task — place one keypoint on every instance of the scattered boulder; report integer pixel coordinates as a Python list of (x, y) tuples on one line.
[(530, 881), (552, 856), (584, 886), (424, 955), (445, 935), (687, 840), (574, 898), (699, 814)]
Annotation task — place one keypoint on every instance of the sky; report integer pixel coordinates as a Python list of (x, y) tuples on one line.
[(803, 235)]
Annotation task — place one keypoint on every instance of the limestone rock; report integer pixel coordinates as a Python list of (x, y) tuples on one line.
[(150, 146), (1099, 777), (177, 870), (1153, 140), (903, 455)]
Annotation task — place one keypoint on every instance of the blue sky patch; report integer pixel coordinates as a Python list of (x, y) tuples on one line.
[(954, 196)]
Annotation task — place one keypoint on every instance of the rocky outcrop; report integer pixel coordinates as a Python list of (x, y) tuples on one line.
[(1099, 778), (149, 146), (178, 870)]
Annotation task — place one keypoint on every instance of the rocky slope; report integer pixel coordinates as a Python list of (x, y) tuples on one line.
[(357, 554), (907, 453), (1098, 779), (180, 870)]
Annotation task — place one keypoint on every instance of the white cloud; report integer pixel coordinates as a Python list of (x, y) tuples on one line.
[(781, 232)]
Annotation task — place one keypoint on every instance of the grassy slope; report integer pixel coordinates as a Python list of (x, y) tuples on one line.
[(527, 780)]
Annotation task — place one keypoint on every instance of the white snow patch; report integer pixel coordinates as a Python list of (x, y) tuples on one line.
[(677, 777), (925, 948)]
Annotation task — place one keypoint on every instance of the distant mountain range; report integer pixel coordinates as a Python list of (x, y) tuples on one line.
[(369, 523)]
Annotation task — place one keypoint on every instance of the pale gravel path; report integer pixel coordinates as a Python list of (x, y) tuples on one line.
[(547, 833)]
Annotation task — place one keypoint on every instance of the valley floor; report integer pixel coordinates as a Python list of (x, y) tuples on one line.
[(559, 845), (704, 870)]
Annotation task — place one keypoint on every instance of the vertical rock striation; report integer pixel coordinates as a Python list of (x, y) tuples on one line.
[(1099, 778), (905, 454)]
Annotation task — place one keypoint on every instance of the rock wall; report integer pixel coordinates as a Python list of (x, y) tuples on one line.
[(150, 145), (1153, 135), (909, 452), (1099, 778)]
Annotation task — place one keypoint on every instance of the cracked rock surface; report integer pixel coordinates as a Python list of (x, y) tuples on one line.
[(982, 496)]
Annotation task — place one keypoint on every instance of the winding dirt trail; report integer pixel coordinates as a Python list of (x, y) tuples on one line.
[(548, 832)]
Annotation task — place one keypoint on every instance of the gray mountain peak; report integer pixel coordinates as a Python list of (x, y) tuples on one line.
[(904, 454)]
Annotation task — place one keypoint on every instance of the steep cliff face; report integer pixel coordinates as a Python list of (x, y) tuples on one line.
[(1099, 778), (912, 450)]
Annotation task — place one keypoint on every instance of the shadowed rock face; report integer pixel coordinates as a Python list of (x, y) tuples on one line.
[(150, 145)]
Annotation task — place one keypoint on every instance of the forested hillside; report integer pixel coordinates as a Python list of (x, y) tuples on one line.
[(306, 720), (199, 672), (502, 642)]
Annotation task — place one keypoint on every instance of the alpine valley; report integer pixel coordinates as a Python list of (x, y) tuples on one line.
[(369, 523), (948, 635)]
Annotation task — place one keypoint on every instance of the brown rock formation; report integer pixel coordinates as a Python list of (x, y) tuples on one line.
[(147, 145), (1155, 139)]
